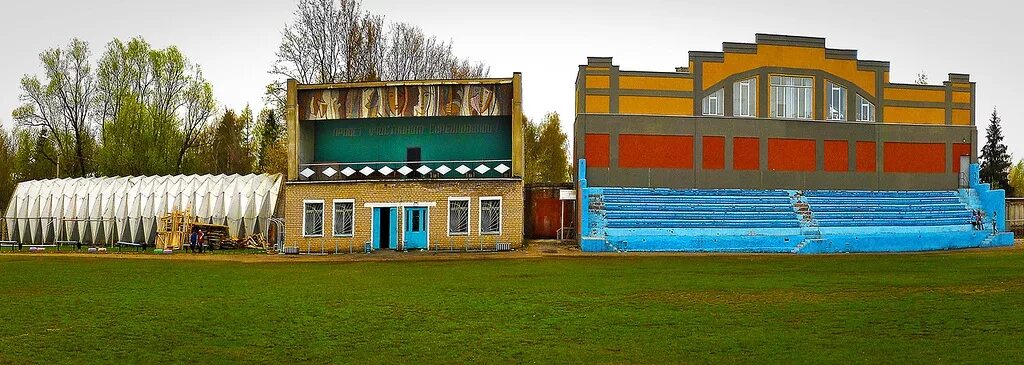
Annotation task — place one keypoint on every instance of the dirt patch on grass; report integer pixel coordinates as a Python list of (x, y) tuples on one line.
[(533, 249)]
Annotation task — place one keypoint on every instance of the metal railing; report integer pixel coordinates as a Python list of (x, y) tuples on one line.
[(396, 170), (1015, 215)]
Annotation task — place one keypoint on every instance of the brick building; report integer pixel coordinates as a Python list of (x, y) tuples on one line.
[(405, 165)]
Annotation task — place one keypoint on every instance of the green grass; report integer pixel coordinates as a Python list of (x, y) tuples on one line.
[(925, 308)]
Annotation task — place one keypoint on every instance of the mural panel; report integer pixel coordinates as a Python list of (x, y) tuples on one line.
[(406, 101)]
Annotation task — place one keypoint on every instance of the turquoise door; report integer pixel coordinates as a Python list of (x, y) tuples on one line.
[(415, 228), (385, 228)]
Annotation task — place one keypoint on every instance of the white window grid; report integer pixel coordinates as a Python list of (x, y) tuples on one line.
[(836, 102), (490, 215), (792, 97), (312, 218), (344, 219), (744, 99), (460, 217), (713, 103)]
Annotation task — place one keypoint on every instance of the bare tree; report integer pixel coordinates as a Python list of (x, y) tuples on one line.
[(336, 41), (62, 105), (199, 106), (922, 78)]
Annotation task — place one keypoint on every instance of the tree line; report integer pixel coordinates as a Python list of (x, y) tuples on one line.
[(143, 110), (138, 110)]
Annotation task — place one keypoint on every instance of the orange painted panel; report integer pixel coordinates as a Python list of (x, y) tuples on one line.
[(655, 151), (914, 157), (961, 97), (791, 154), (961, 117), (713, 152), (866, 156), (595, 150), (746, 153), (655, 83), (936, 94), (789, 57), (597, 103), (898, 114), (960, 149), (656, 105), (837, 156), (597, 82)]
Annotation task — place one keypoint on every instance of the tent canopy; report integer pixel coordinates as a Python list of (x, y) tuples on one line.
[(106, 210)]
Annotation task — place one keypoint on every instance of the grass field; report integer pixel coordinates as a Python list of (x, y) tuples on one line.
[(921, 308)]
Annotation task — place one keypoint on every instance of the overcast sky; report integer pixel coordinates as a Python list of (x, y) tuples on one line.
[(234, 40)]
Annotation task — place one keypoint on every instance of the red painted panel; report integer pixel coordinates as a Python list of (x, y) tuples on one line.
[(960, 149), (713, 152), (914, 157), (595, 150), (746, 153), (655, 151), (544, 209), (866, 156), (791, 154), (837, 156)]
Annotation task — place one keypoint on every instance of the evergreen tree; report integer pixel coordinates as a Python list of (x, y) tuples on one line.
[(995, 161)]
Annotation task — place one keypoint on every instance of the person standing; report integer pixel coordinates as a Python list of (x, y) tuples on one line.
[(193, 240), (202, 240)]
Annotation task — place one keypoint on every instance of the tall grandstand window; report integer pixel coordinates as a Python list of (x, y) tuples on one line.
[(792, 97), (744, 98), (490, 215), (313, 218), (865, 110), (458, 216), (713, 103), (836, 102), (344, 217)]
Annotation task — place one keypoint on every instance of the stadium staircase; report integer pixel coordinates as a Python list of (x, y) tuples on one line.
[(790, 221)]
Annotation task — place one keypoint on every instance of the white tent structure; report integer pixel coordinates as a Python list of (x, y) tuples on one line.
[(106, 210)]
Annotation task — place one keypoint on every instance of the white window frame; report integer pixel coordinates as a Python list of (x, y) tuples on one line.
[(718, 97), (323, 218), (833, 88), (863, 102), (334, 216), (469, 215), (806, 91), (738, 96), (480, 215)]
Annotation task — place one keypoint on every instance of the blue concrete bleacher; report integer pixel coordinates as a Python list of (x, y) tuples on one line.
[(637, 219), (812, 221), (730, 220)]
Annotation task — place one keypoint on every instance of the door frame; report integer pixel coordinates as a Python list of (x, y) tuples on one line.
[(426, 224), (400, 213), (375, 227)]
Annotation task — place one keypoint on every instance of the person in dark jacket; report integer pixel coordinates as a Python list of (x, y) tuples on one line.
[(193, 241)]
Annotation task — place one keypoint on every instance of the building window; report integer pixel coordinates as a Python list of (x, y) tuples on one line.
[(313, 218), (836, 102), (865, 110), (344, 217), (458, 216), (713, 103), (744, 98), (792, 97), (490, 215)]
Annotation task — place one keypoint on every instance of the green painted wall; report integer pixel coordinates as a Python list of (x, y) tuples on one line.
[(439, 138)]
